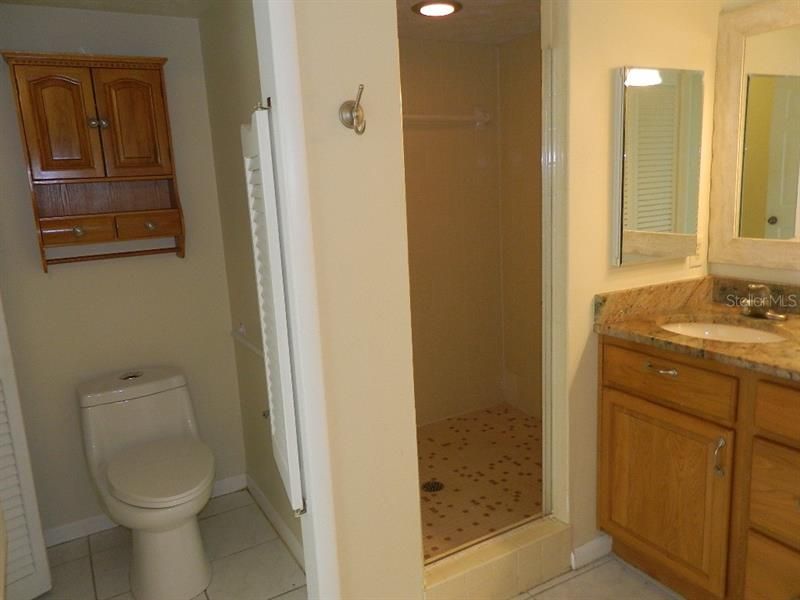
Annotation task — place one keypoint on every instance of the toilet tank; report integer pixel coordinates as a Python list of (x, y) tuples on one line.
[(123, 409)]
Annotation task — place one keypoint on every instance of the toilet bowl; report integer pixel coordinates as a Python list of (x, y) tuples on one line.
[(153, 475)]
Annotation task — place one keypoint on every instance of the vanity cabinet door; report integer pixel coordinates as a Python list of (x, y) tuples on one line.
[(58, 118), (130, 104), (665, 488)]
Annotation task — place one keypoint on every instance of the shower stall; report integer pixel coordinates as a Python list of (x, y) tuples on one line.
[(471, 85)]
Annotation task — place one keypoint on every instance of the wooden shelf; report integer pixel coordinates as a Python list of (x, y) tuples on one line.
[(73, 259)]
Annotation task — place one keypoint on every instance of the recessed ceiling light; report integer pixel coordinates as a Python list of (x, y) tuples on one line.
[(642, 77), (436, 9)]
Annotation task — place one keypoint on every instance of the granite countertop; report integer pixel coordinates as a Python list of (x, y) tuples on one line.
[(637, 315)]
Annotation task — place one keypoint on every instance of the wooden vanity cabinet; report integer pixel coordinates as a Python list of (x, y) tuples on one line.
[(97, 139), (699, 472)]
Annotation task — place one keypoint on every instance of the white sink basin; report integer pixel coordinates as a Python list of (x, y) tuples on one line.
[(724, 333)]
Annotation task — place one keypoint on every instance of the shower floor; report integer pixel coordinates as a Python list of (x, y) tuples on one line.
[(490, 462)]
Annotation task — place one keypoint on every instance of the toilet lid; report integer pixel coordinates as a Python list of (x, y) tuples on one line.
[(161, 473)]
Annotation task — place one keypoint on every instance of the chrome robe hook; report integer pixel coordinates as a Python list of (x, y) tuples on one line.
[(351, 113)]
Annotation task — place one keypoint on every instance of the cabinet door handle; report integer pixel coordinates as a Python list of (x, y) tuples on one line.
[(78, 231), (719, 470), (93, 123), (150, 226), (103, 124), (661, 370)]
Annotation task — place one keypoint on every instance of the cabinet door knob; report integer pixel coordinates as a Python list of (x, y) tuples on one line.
[(93, 123), (103, 124), (78, 231), (719, 470), (150, 226)]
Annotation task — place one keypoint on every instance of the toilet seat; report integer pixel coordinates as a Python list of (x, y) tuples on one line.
[(162, 473)]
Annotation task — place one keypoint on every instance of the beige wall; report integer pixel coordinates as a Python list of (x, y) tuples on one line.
[(604, 35), (520, 188), (232, 82), (83, 319), (357, 197), (454, 227)]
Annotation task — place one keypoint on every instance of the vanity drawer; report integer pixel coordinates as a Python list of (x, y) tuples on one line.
[(778, 410), (775, 491), (696, 390), (772, 571), (163, 223), (60, 231)]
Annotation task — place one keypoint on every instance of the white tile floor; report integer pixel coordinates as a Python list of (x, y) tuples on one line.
[(607, 579), (250, 562), (248, 559)]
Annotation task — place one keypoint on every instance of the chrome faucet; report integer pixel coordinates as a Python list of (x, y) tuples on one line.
[(757, 303)]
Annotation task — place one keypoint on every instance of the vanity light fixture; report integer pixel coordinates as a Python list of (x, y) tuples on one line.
[(436, 9), (642, 77)]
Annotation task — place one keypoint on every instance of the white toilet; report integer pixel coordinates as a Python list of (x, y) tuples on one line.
[(153, 474)]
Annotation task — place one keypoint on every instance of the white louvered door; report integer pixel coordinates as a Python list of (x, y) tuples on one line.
[(652, 116), (269, 270), (27, 571)]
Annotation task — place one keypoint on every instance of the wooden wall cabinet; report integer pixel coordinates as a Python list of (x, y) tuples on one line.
[(97, 139), (699, 472)]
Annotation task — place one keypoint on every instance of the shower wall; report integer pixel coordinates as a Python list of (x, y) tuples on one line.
[(520, 122), (473, 203), (453, 227)]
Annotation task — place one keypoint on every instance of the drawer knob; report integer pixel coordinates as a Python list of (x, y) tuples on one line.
[(150, 226), (666, 372), (78, 231)]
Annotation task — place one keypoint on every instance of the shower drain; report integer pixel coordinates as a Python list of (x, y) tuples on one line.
[(432, 486)]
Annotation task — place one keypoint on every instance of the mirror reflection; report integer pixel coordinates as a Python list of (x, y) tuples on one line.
[(771, 150), (662, 124)]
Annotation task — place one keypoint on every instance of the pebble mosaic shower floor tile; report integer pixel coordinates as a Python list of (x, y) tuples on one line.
[(480, 474)]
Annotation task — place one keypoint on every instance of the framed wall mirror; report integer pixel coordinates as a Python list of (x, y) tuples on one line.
[(659, 122), (755, 173)]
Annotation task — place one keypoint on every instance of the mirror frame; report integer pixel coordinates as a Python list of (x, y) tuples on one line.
[(725, 245)]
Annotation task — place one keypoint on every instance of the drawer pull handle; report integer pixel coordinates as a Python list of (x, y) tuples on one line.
[(150, 226), (719, 470), (78, 231), (661, 370)]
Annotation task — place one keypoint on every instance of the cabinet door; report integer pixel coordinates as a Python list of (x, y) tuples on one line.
[(58, 117), (130, 104), (665, 486)]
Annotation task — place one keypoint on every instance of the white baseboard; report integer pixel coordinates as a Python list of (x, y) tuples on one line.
[(79, 529), (591, 551), (229, 485), (287, 535)]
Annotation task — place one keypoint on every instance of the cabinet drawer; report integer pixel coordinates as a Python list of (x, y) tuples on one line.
[(775, 491), (772, 572), (696, 390), (83, 230), (147, 225), (778, 410)]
